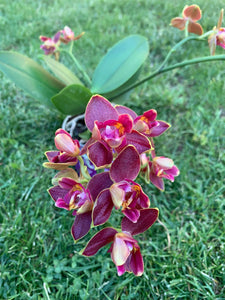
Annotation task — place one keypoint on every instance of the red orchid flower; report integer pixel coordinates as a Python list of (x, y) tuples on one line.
[(111, 131), (68, 148), (123, 192), (130, 196), (218, 36), (71, 195), (50, 44), (161, 167), (148, 125), (191, 14), (125, 251), (126, 254), (68, 35)]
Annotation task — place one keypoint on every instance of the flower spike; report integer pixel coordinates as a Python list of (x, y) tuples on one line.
[(117, 151)]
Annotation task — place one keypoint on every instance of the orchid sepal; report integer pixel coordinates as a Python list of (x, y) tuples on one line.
[(190, 15), (126, 165)]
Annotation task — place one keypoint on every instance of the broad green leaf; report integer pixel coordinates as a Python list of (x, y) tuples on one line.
[(72, 100), (120, 63), (115, 94), (61, 72), (30, 76)]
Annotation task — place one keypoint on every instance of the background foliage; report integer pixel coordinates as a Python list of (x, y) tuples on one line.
[(38, 257)]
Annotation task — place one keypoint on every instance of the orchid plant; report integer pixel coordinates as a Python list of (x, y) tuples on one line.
[(117, 72), (120, 148), (100, 177)]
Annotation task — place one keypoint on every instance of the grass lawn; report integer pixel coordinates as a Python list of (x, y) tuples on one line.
[(39, 259)]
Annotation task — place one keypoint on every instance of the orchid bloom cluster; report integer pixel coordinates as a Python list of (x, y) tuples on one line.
[(190, 15), (51, 45), (120, 148)]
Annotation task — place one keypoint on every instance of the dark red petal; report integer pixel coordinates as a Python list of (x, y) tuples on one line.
[(88, 143), (81, 225), (157, 181), (126, 121), (173, 171), (136, 263), (125, 110), (143, 201), (139, 141), (159, 129), (126, 165), (102, 238), (99, 109), (132, 214), (150, 114), (100, 154), (147, 218), (61, 204), (65, 157), (98, 183), (57, 192), (51, 155), (67, 183), (103, 207), (121, 270)]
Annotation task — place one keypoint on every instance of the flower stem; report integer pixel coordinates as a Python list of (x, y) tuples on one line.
[(187, 39), (186, 29), (169, 68), (161, 68), (78, 66), (83, 169)]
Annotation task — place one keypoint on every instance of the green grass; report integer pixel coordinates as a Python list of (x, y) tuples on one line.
[(38, 257)]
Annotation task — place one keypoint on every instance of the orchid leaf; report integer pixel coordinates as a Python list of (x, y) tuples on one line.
[(30, 76), (117, 95), (61, 72), (72, 100), (120, 63)]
